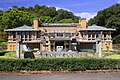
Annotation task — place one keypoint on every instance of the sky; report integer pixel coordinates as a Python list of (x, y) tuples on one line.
[(83, 8)]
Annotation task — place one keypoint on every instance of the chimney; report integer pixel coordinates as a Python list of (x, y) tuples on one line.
[(83, 23), (36, 23)]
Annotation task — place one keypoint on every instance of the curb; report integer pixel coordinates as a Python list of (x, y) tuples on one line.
[(61, 72)]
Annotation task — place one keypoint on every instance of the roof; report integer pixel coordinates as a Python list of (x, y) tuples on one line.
[(60, 25), (94, 27), (23, 28)]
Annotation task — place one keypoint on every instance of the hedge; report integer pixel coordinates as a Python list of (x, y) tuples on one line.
[(59, 64)]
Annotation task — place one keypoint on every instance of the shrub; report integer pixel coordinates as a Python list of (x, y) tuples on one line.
[(59, 64), (2, 52)]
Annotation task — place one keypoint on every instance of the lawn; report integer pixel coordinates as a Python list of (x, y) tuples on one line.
[(116, 56), (6, 57)]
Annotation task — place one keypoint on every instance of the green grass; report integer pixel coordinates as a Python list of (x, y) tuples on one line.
[(6, 57), (91, 51), (113, 56), (11, 52)]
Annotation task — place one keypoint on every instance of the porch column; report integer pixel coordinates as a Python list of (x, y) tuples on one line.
[(69, 45), (95, 35), (54, 46), (28, 36), (110, 35), (35, 35), (87, 34), (65, 45)]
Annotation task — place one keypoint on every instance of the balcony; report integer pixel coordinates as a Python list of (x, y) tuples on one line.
[(60, 37)]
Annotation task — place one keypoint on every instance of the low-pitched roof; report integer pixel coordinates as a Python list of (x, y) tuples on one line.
[(60, 25), (94, 27), (23, 28)]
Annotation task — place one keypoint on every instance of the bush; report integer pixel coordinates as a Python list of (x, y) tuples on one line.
[(59, 64), (2, 52)]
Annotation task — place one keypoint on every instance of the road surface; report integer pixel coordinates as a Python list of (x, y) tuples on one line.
[(77, 76)]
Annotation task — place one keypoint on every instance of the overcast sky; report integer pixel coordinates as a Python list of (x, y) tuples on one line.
[(84, 8)]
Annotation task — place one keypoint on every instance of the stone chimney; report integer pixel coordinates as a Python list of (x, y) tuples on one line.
[(36, 23), (83, 23)]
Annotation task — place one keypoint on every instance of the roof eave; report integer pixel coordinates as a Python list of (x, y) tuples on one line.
[(98, 29)]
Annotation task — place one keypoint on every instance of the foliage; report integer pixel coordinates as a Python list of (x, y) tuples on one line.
[(59, 64), (16, 17), (3, 44), (66, 21), (2, 52), (109, 18)]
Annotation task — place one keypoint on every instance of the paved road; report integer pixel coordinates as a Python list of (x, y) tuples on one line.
[(89, 76)]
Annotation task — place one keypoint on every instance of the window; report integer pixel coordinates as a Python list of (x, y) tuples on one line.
[(89, 34), (59, 34), (93, 34), (23, 33), (14, 34), (97, 34)]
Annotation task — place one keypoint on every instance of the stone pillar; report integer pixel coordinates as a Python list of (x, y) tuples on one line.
[(18, 49), (54, 46), (96, 47), (100, 49)]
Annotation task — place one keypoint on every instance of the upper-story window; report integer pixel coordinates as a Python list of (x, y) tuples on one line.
[(89, 34), (38, 34), (82, 33), (59, 34), (51, 35), (93, 34), (104, 33), (67, 34), (14, 34), (23, 34), (30, 35), (97, 34), (26, 34)]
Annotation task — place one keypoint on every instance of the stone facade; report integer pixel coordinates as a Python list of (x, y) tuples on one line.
[(59, 37)]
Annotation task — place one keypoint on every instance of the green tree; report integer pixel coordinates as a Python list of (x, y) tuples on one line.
[(66, 21)]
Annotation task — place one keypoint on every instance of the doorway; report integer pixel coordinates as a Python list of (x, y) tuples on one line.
[(59, 45)]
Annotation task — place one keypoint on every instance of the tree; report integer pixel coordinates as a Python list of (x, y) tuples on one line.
[(109, 17), (66, 21)]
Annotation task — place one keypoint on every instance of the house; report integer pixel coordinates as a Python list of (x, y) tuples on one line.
[(59, 36)]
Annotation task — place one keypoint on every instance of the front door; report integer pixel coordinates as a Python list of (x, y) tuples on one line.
[(59, 45), (59, 48)]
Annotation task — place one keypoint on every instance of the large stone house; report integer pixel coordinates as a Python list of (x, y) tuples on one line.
[(59, 36)]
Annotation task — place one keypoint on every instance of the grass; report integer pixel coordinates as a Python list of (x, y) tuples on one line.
[(11, 52), (91, 51), (6, 57), (116, 56), (108, 52)]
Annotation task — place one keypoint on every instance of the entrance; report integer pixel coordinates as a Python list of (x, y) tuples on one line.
[(59, 45)]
